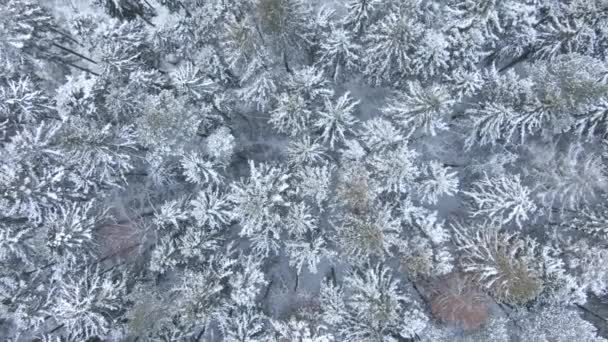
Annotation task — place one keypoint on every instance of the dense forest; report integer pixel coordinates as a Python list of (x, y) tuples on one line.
[(304, 170)]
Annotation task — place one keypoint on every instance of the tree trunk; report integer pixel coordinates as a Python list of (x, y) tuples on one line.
[(516, 61), (145, 20), (150, 6), (75, 66), (592, 313), (333, 276), (267, 292), (200, 334), (286, 63), (74, 53), (56, 328), (65, 35), (188, 14)]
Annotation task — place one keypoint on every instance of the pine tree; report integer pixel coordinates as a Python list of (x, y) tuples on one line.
[(440, 182), (568, 180), (336, 120), (339, 54), (390, 44), (503, 263), (419, 107), (396, 169), (375, 235), (258, 202), (502, 199), (380, 134), (291, 115), (371, 306), (360, 15), (306, 151), (82, 303), (558, 324)]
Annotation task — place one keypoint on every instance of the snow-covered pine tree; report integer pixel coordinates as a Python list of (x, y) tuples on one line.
[(371, 305)]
